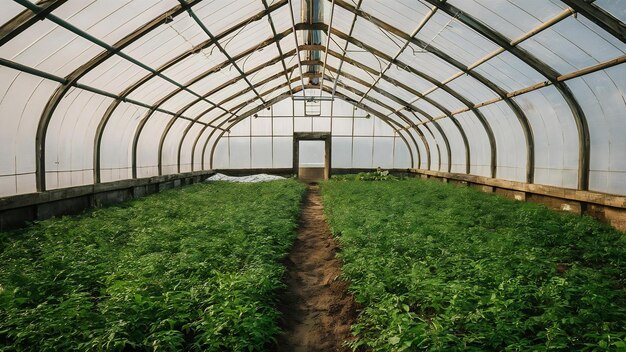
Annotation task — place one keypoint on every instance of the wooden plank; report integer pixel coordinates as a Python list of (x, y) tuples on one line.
[(605, 199)]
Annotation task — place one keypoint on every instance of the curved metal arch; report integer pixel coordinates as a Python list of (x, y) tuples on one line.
[(43, 11), (545, 70), (406, 104), (481, 118), (216, 42), (363, 106), (72, 78), (171, 122), (213, 91), (197, 78), (386, 119), (401, 116), (412, 91), (215, 69), (327, 89)]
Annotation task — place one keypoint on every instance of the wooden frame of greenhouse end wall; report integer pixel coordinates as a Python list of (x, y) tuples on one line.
[(607, 208), (16, 211)]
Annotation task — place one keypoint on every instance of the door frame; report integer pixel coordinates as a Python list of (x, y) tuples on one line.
[(312, 136)]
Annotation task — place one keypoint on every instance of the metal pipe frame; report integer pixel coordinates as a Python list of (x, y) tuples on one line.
[(363, 106), (44, 10), (542, 68), (481, 118), (215, 40), (327, 89)]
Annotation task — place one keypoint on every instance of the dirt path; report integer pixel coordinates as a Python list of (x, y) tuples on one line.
[(317, 310)]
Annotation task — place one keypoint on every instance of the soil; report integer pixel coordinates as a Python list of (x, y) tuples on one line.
[(317, 311)]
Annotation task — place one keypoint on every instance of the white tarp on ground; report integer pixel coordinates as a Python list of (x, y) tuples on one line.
[(246, 179)]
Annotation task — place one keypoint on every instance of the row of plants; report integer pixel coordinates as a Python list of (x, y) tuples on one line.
[(189, 269), (445, 268)]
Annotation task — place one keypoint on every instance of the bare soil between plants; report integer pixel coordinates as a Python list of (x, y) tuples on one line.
[(317, 311)]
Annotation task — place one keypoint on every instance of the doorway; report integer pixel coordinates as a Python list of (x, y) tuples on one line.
[(315, 162)]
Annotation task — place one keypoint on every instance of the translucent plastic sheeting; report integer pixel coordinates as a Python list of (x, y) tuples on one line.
[(417, 148), (50, 48), (373, 36), (408, 79), (396, 91), (510, 143), (114, 75), (446, 99), (614, 7), (262, 153), (167, 42), (342, 20), (95, 17), (602, 97), (403, 14), (441, 146), (189, 67), (555, 137), (472, 89), (341, 156), (10, 10), (218, 15), (509, 73), (362, 152), (22, 100), (148, 145), (402, 155), (455, 39), (171, 142), (70, 139), (511, 19), (187, 148), (117, 141), (435, 151), (574, 44), (185, 55), (480, 151), (457, 147), (363, 135)]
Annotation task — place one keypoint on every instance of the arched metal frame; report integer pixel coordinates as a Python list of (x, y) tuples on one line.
[(44, 10), (365, 107), (284, 96)]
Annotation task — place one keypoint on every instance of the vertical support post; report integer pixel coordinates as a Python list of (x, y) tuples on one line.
[(327, 157)]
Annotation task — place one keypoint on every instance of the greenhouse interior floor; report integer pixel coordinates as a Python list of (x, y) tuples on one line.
[(317, 311)]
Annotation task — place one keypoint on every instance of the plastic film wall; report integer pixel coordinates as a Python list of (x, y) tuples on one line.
[(107, 90)]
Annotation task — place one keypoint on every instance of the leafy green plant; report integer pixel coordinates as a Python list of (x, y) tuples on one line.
[(189, 269), (378, 175), (442, 268)]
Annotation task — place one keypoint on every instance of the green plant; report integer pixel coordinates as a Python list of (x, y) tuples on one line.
[(443, 268), (378, 175), (189, 269)]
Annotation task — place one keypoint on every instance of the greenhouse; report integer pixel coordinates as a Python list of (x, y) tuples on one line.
[(312, 175)]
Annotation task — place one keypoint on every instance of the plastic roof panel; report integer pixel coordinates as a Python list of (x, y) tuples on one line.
[(511, 18), (50, 48), (402, 14), (449, 35), (509, 72), (573, 44), (95, 17), (614, 7)]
